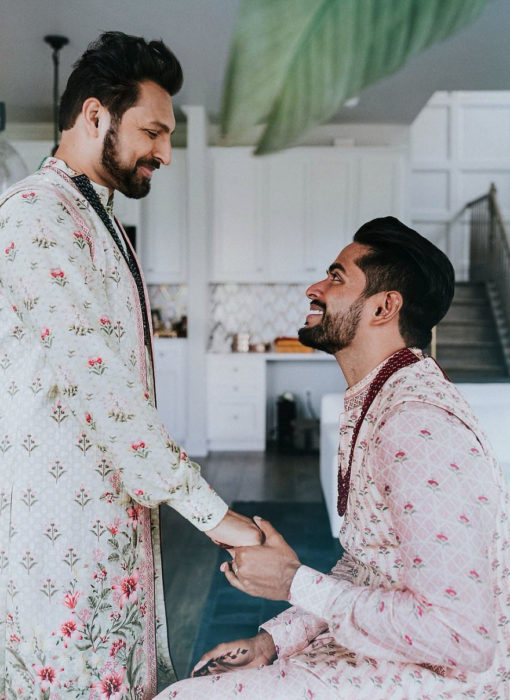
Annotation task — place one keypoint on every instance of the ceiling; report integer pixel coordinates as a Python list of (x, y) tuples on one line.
[(199, 32)]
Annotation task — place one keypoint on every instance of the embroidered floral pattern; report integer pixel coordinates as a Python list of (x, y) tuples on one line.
[(419, 605), (77, 543)]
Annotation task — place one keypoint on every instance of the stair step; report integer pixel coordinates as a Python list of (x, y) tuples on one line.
[(468, 343), (486, 321), (480, 367), (475, 374), (470, 290), (476, 377), (468, 312), (461, 355), (478, 301), (467, 332)]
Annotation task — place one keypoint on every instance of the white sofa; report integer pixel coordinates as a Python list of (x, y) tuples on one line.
[(490, 402)]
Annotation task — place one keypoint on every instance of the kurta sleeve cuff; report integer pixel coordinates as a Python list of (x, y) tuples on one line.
[(293, 630), (313, 591), (202, 506), (281, 637)]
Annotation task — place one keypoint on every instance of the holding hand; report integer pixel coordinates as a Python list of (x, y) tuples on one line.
[(238, 655), (266, 570), (235, 530)]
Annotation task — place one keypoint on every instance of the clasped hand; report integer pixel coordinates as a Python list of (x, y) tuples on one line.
[(235, 530), (265, 570)]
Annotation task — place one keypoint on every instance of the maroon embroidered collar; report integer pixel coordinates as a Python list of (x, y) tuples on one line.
[(397, 361)]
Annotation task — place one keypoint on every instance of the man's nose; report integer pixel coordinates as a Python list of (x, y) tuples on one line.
[(163, 152), (315, 291)]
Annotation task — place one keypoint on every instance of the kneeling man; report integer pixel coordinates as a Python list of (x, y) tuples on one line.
[(419, 605)]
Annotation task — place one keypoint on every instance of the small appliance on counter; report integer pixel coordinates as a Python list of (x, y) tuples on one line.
[(241, 342)]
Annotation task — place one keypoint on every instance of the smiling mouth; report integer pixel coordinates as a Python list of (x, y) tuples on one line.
[(146, 171), (315, 311), (147, 166)]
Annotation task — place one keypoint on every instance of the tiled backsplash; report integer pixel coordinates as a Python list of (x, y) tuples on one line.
[(263, 310)]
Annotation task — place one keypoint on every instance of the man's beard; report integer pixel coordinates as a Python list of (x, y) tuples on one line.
[(333, 333), (126, 180)]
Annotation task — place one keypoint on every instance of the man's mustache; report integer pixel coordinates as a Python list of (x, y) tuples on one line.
[(150, 163)]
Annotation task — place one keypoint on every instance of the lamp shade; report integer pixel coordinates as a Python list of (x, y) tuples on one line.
[(12, 166)]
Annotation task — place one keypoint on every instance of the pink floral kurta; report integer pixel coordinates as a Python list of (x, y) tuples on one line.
[(84, 458), (419, 605)]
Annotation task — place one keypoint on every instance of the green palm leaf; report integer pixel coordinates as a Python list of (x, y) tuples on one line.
[(293, 63)]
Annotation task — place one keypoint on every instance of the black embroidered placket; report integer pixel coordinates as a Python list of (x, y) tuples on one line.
[(83, 183)]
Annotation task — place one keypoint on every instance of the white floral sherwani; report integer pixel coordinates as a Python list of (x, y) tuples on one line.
[(418, 608), (84, 458)]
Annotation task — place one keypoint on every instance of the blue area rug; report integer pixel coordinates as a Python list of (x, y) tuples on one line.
[(229, 613)]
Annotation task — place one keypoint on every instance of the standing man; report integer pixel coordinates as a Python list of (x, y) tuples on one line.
[(419, 605), (84, 457)]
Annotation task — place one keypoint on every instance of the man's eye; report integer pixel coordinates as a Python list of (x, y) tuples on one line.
[(152, 134)]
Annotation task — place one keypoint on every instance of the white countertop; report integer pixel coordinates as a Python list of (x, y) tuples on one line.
[(280, 356), (308, 356)]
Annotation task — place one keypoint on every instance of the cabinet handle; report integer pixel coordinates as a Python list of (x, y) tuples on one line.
[(235, 417), (235, 388), (310, 269)]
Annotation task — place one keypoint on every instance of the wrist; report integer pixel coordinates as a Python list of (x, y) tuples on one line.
[(290, 573), (266, 646)]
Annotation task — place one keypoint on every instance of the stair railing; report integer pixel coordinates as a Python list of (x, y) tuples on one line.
[(489, 259)]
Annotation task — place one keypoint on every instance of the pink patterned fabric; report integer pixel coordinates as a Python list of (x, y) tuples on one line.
[(84, 458), (419, 605)]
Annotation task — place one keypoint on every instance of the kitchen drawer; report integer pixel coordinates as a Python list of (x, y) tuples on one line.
[(234, 420), (233, 388), (236, 408), (236, 369)]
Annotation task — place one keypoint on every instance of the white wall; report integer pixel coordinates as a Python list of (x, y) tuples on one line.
[(460, 144)]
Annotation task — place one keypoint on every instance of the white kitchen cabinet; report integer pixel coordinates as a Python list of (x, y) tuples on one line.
[(163, 234), (308, 212), (170, 369), (285, 207), (237, 217), (285, 217), (236, 404)]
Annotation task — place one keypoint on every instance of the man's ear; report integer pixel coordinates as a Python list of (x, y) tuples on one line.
[(386, 306), (96, 117)]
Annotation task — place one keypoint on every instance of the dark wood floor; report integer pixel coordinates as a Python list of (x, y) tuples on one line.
[(189, 557)]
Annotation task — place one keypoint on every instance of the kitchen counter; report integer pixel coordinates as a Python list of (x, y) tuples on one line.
[(297, 356), (278, 356)]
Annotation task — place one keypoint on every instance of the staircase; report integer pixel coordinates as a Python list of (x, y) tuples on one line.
[(467, 342), (472, 342)]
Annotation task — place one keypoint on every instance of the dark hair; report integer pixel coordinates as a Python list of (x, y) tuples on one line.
[(111, 70), (401, 260)]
